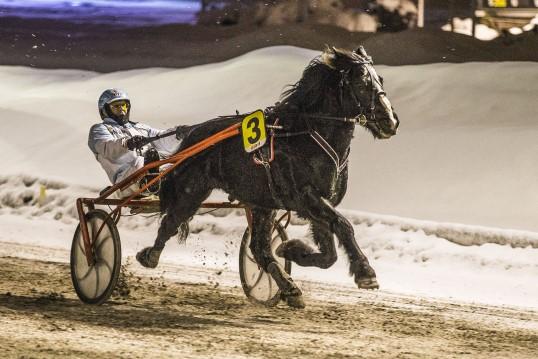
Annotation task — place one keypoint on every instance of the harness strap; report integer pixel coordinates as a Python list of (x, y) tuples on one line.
[(259, 159), (270, 181), (291, 134), (340, 164), (326, 147), (343, 164), (271, 147)]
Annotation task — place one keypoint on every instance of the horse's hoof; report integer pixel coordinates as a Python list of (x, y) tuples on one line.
[(281, 250), (149, 257), (293, 249), (295, 301), (368, 283), (293, 297)]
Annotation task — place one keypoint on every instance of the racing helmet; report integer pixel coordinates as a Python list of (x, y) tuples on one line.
[(109, 96)]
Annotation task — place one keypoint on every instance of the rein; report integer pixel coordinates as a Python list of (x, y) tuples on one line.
[(360, 119)]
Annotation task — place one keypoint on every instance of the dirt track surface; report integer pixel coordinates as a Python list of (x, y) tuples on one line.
[(40, 317)]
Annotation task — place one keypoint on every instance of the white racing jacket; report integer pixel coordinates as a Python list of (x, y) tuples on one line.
[(107, 140)]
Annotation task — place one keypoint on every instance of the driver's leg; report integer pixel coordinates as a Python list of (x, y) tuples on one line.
[(151, 156)]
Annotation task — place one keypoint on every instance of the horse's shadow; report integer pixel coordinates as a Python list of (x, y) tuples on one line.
[(117, 315)]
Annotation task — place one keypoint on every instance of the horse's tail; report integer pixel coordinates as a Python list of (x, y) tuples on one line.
[(167, 193)]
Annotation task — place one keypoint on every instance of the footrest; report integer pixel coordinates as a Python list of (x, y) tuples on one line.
[(152, 206), (102, 192)]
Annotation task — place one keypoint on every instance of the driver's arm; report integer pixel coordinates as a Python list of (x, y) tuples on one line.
[(103, 143), (166, 146)]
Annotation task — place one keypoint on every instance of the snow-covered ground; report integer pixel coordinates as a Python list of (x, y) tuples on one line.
[(466, 153)]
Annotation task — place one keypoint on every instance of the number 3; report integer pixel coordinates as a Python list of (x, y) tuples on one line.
[(253, 129), (254, 126)]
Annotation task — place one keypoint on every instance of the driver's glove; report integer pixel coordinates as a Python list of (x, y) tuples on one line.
[(136, 142)]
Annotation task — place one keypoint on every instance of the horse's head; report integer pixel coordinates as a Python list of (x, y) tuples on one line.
[(360, 91)]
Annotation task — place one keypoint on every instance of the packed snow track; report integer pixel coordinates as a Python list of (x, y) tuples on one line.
[(41, 317)]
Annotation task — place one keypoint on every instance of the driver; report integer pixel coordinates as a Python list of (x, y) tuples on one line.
[(120, 145)]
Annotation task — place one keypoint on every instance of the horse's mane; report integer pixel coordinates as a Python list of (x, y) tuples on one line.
[(320, 79), (308, 91), (319, 82)]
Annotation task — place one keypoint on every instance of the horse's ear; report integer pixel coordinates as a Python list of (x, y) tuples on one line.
[(337, 53), (328, 57), (333, 57), (361, 51)]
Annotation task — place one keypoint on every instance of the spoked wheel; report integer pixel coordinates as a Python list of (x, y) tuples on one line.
[(258, 285), (94, 284)]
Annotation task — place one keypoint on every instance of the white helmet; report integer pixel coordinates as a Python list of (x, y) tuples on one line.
[(107, 97)]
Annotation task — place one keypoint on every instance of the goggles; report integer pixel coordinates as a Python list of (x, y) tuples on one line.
[(119, 105)]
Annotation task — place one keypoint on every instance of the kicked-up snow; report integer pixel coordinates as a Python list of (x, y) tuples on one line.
[(465, 153)]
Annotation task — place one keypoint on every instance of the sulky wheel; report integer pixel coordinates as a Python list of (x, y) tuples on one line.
[(258, 285), (94, 284)]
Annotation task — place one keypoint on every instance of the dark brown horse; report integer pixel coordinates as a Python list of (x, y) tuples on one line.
[(309, 173)]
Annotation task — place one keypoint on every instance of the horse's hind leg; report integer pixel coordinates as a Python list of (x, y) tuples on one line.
[(320, 209), (176, 219), (300, 253), (260, 245), (149, 256)]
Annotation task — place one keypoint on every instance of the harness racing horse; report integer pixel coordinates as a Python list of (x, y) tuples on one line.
[(313, 125)]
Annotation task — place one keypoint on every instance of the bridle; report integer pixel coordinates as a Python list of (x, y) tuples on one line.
[(362, 118)]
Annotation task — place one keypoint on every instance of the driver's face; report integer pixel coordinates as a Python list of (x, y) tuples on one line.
[(119, 108)]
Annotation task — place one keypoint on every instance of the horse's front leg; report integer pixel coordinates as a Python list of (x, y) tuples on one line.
[(260, 245), (320, 209), (299, 252)]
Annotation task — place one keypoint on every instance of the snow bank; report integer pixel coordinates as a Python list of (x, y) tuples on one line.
[(410, 256), (30, 197), (454, 232)]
